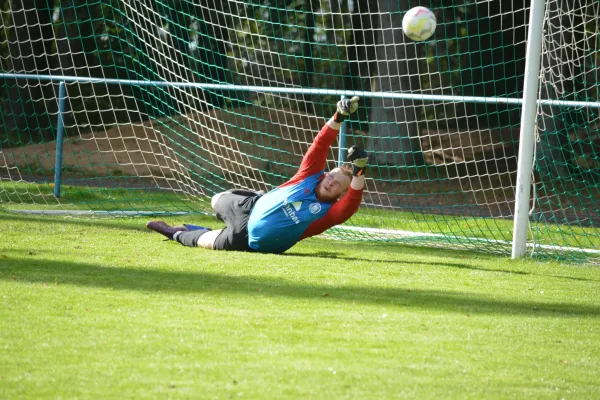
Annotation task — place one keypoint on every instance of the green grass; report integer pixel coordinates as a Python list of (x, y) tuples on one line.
[(102, 308), (27, 196), (461, 230)]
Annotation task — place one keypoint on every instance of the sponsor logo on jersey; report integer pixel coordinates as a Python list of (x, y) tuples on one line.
[(289, 209), (315, 208)]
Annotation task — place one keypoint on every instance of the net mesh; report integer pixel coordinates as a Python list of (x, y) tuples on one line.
[(568, 146), (442, 172)]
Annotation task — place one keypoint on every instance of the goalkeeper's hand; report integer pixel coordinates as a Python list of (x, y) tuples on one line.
[(345, 108), (359, 159)]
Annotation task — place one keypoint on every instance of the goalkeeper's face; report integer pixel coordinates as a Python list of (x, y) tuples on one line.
[(333, 185)]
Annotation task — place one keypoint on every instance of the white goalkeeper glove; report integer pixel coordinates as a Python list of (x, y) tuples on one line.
[(359, 159), (345, 108)]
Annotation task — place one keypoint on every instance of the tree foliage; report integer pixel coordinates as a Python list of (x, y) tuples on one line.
[(478, 50)]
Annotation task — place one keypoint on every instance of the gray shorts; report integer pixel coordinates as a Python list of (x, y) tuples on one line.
[(234, 209)]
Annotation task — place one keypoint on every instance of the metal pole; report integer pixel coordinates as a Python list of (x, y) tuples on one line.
[(528, 121), (342, 140), (60, 127), (306, 91)]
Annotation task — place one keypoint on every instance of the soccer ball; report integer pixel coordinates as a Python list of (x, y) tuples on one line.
[(419, 23)]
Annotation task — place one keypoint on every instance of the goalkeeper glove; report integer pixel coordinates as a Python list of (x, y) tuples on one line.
[(359, 159), (345, 108)]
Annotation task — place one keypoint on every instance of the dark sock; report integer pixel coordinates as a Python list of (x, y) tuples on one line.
[(190, 238), (191, 227)]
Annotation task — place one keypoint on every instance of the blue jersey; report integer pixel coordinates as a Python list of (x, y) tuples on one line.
[(280, 217)]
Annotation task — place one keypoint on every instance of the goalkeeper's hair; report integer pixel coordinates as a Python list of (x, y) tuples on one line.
[(346, 169)]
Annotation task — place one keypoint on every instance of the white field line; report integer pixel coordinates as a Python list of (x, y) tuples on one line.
[(104, 213), (378, 231), (401, 234)]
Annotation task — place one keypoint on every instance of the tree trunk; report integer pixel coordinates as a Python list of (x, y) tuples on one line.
[(74, 38), (394, 134), (213, 51), (495, 61), (306, 76), (361, 54), (178, 64), (29, 42)]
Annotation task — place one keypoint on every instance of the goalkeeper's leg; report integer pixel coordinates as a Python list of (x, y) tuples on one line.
[(187, 235), (215, 199), (240, 192), (204, 238), (232, 208)]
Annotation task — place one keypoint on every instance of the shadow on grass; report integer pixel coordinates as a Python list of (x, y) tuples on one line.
[(138, 224), (133, 223), (148, 280), (429, 252)]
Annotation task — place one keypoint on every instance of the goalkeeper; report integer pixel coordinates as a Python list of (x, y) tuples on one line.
[(306, 205)]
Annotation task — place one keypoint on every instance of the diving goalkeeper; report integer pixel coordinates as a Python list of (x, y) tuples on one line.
[(306, 205)]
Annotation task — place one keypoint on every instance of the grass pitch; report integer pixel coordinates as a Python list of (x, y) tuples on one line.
[(103, 308)]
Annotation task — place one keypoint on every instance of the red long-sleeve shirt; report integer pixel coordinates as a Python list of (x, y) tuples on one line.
[(314, 161)]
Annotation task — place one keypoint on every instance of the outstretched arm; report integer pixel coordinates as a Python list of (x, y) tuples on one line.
[(316, 157)]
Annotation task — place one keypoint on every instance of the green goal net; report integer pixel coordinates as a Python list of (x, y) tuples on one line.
[(151, 107)]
